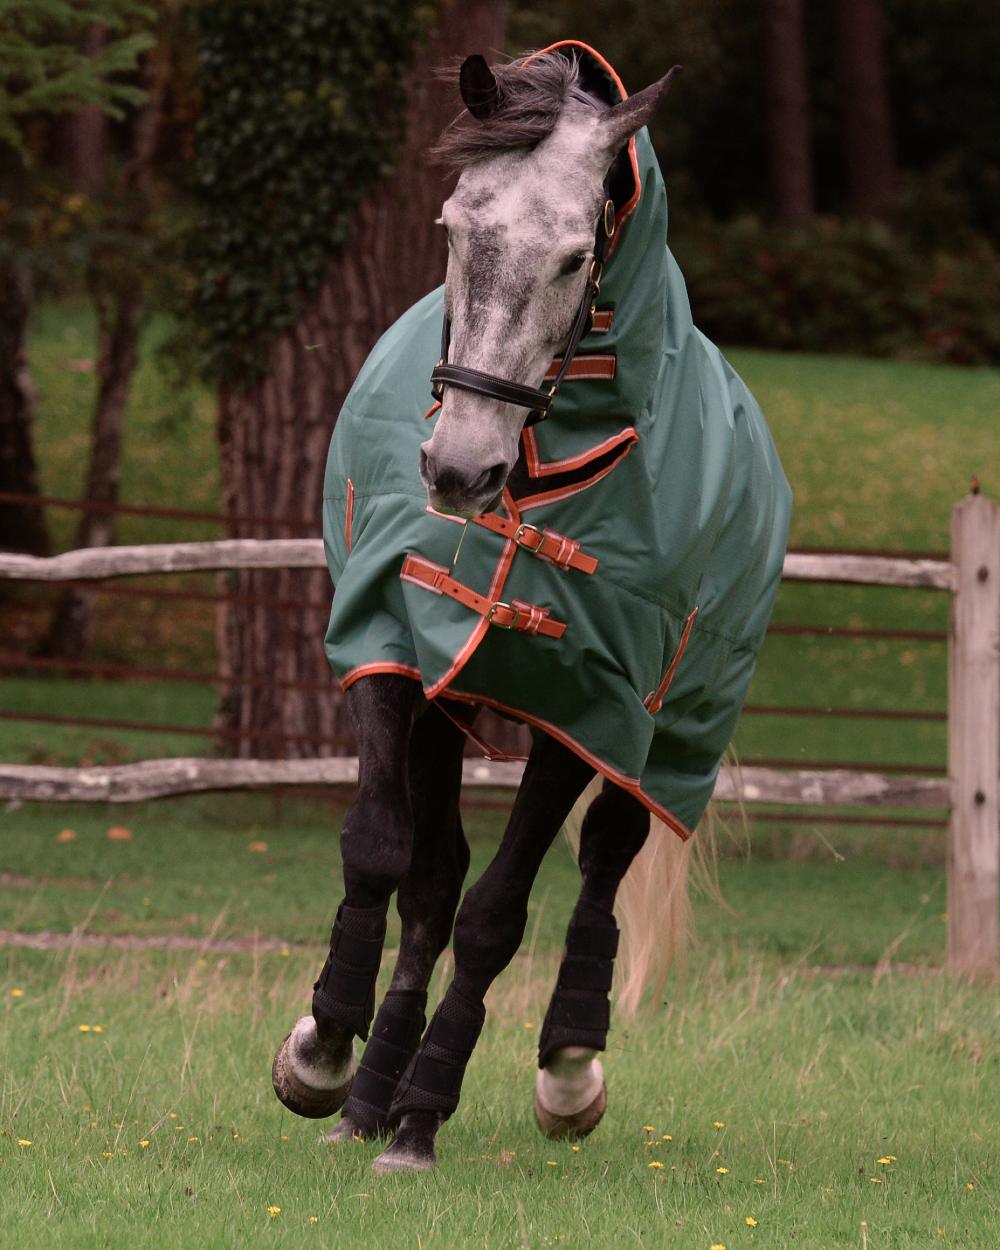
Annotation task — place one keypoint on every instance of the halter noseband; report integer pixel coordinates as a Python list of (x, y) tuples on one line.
[(534, 398)]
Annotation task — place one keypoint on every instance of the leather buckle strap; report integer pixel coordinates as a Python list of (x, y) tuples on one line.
[(526, 618), (487, 384), (546, 544)]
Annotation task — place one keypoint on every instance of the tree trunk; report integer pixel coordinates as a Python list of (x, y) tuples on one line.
[(787, 106), (117, 291), (866, 127), (22, 526), (274, 438)]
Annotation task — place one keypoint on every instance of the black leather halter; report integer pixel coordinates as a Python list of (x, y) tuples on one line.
[(536, 399)]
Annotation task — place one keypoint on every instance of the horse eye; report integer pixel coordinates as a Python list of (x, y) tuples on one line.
[(573, 264)]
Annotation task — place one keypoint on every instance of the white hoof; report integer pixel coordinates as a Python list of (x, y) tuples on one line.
[(570, 1094)]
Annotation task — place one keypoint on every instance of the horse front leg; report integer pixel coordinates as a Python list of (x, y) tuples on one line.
[(427, 900), (570, 1093), (488, 931), (314, 1066)]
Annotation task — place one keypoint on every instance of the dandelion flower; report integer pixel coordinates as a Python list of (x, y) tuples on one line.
[(285, 952), (875, 1180), (192, 1139), (717, 1245), (106, 1154), (722, 1171), (888, 1159), (144, 1144), (575, 1149), (656, 1164), (759, 1180), (314, 1219), (172, 1114), (17, 993), (750, 1221), (98, 1028), (666, 1137), (24, 1142), (273, 1210), (718, 1124), (969, 1185), (552, 1163), (84, 1028), (648, 1128)]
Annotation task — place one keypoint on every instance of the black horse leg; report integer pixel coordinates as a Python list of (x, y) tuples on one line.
[(427, 899), (488, 931), (314, 1066), (570, 1095)]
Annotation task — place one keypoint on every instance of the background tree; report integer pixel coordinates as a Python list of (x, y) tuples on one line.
[(46, 69), (789, 143), (866, 129), (315, 250)]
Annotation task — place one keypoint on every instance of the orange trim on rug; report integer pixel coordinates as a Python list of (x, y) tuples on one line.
[(654, 700), (482, 625), (539, 468), (378, 666), (631, 784), (349, 517)]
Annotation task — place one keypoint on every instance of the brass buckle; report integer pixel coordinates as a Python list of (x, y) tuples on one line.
[(609, 217), (596, 273), (528, 529), (491, 615)]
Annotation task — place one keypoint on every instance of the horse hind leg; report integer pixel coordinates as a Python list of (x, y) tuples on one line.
[(427, 900), (570, 1092), (314, 1066)]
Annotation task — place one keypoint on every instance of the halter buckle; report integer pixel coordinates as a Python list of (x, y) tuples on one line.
[(596, 273), (494, 608)]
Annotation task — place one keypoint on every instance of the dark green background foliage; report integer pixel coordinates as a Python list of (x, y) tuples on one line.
[(290, 139)]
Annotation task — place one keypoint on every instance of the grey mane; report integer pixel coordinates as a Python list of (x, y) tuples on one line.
[(533, 93)]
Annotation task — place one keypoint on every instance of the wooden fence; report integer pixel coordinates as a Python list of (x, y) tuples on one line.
[(971, 792)]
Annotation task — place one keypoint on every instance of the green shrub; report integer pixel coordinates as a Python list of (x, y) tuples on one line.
[(844, 286)]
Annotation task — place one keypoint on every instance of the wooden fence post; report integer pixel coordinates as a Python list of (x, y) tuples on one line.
[(974, 738)]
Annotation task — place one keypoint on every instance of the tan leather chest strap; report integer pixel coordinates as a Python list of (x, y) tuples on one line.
[(526, 618), (549, 546)]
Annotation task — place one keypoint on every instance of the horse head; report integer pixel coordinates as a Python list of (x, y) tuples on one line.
[(534, 150)]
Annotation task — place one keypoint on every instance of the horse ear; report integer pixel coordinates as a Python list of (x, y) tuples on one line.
[(479, 87), (621, 122)]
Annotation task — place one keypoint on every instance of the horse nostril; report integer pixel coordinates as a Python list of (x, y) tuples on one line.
[(491, 482)]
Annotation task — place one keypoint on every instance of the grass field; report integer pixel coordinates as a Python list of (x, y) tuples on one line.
[(783, 1057)]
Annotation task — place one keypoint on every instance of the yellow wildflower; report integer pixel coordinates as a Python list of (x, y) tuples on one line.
[(759, 1180), (722, 1171), (98, 1028), (751, 1221), (718, 1124), (717, 1245), (875, 1180), (575, 1149), (192, 1139), (552, 1163), (888, 1159), (273, 1210), (24, 1142), (969, 1185), (84, 1028), (666, 1137), (656, 1164), (106, 1154), (648, 1128), (285, 952), (314, 1219), (172, 1114), (144, 1143), (17, 993), (529, 1024)]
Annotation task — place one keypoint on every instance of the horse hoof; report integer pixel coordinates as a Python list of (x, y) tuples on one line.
[(578, 1124), (305, 1079), (347, 1130), (403, 1159)]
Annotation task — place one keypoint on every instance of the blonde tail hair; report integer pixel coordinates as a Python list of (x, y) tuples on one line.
[(653, 907)]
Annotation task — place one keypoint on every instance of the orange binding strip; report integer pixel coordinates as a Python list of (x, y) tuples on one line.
[(349, 517), (654, 700), (596, 368), (546, 544), (602, 320), (526, 618)]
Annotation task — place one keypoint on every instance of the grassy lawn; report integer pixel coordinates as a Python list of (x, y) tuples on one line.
[(793, 1077)]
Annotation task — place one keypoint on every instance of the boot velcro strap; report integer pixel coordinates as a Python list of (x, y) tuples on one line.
[(356, 950), (433, 1081), (395, 1036), (594, 975), (593, 941), (345, 991), (586, 1012)]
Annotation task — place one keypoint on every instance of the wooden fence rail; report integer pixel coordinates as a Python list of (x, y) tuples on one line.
[(971, 792)]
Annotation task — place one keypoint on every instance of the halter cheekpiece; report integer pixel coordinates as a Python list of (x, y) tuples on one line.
[(537, 400)]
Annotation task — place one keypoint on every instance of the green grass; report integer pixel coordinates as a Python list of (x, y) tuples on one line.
[(815, 1073)]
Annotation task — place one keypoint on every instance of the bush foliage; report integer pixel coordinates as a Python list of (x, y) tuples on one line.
[(844, 286), (301, 105)]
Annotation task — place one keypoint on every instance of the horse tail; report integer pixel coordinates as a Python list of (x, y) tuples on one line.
[(653, 905)]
